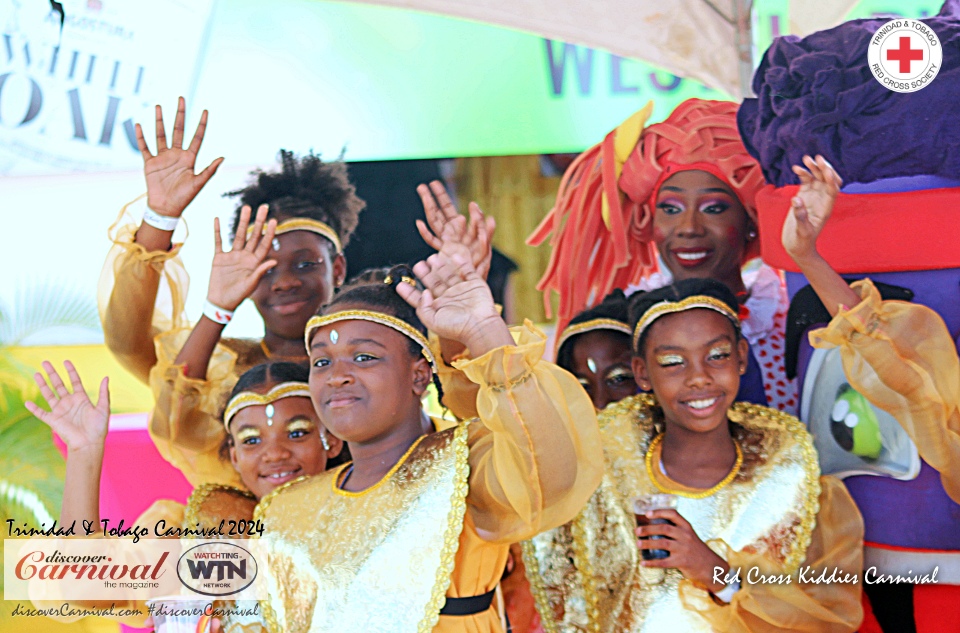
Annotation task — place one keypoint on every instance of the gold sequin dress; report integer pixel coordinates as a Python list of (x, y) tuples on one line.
[(777, 516), (440, 524)]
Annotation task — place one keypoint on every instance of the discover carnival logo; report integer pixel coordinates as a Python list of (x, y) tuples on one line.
[(905, 55)]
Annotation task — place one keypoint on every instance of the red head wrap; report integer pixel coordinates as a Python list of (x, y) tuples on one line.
[(602, 222)]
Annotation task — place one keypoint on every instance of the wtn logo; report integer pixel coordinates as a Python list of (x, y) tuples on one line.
[(224, 568), (217, 568)]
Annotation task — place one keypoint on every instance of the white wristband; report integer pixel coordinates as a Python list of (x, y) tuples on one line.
[(157, 221), (217, 314), (726, 594)]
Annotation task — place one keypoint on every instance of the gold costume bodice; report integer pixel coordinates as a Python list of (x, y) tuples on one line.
[(211, 506), (379, 560), (586, 575)]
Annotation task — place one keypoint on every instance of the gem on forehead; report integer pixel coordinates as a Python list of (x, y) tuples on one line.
[(592, 365), (276, 244), (334, 336), (270, 411)]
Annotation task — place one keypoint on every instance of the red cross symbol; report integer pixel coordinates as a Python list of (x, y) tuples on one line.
[(905, 55)]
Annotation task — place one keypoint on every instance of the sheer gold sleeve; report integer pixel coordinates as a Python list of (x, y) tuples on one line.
[(459, 392), (186, 426), (817, 600), (139, 294), (536, 457), (901, 357)]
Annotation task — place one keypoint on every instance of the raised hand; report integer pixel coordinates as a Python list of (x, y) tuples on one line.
[(811, 207), (447, 225), (72, 416), (695, 560), (236, 273), (456, 303), (171, 183)]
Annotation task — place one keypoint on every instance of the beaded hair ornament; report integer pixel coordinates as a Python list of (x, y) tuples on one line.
[(246, 399), (690, 303), (306, 224)]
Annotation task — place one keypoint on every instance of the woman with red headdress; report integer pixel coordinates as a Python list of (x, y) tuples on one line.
[(671, 201)]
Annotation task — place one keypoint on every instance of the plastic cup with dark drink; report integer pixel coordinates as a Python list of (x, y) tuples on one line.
[(648, 503)]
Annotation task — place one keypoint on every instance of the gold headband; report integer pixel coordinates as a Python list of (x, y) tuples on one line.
[(306, 224), (246, 399), (590, 326), (380, 318), (690, 303)]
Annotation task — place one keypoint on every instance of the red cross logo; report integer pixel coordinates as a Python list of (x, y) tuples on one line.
[(905, 55)]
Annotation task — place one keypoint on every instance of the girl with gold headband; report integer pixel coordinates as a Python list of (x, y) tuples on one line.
[(274, 436), (596, 348), (674, 200), (414, 533), (306, 212), (753, 524)]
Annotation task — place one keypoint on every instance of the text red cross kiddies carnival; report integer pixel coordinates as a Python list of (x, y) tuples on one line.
[(905, 54)]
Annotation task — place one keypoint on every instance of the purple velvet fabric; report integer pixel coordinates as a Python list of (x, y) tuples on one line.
[(816, 95)]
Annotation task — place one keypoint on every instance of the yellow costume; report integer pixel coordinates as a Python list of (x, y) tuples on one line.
[(901, 357), (441, 522), (185, 424), (777, 516)]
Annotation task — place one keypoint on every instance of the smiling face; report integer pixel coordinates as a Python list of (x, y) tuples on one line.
[(701, 228), (268, 455), (600, 360), (365, 381), (693, 362), (304, 278)]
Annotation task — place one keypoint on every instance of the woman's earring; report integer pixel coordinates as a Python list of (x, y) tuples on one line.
[(751, 235), (324, 442)]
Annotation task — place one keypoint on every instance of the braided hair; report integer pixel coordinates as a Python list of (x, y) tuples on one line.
[(305, 187), (613, 306)]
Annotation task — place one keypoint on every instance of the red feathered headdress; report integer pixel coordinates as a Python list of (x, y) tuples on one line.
[(601, 227)]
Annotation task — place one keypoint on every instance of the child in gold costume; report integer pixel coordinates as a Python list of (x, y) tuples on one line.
[(308, 210), (413, 535), (275, 437), (755, 524)]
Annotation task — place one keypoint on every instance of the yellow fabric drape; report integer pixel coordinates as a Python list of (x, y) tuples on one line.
[(901, 357)]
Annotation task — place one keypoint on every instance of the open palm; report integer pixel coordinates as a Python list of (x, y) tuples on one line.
[(236, 273), (171, 182), (811, 207), (447, 225), (455, 301), (72, 416)]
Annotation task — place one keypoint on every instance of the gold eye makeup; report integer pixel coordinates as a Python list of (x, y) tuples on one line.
[(724, 349), (619, 372), (669, 359), (583, 381), (246, 433), (300, 424)]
